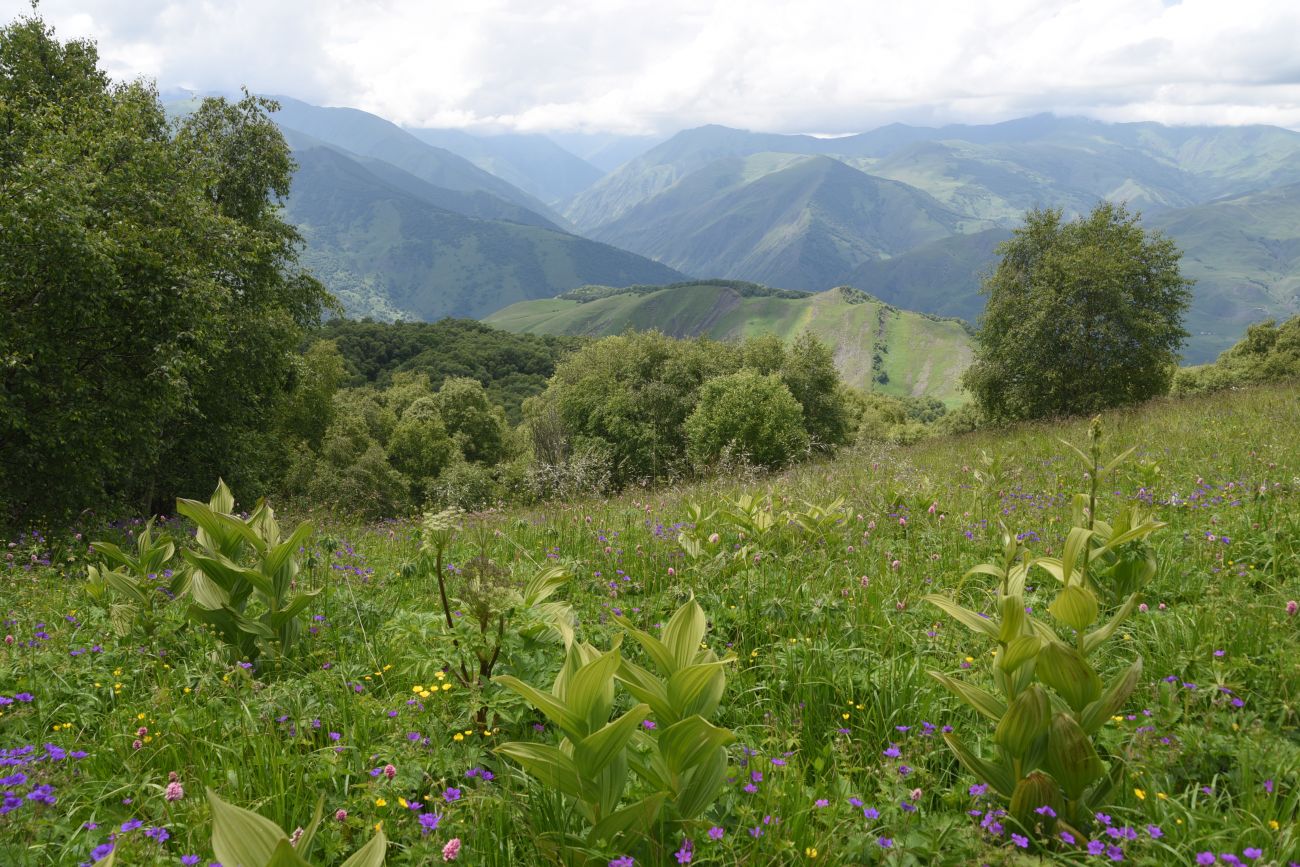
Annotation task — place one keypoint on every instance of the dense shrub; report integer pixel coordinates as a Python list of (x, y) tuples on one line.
[(749, 413), (1268, 353)]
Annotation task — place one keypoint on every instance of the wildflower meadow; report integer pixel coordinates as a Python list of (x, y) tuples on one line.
[(1049, 644)]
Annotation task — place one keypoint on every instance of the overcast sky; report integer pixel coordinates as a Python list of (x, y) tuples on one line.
[(655, 66)]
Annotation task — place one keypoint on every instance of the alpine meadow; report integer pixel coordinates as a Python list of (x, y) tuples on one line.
[(532, 466)]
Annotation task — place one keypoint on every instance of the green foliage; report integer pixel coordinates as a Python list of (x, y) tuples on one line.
[(809, 372), (243, 576), (1081, 316), (1268, 353), (679, 763), (747, 415), (420, 447), (318, 372), (1050, 700), (140, 585), (478, 427), (632, 394), (130, 336), (511, 367), (245, 838)]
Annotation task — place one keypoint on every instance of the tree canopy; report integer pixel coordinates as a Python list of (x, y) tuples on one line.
[(150, 304), (1081, 316)]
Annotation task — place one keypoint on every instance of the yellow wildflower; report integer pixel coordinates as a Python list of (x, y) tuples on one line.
[(1141, 795), (380, 802)]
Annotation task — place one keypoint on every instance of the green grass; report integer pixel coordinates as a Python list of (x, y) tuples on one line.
[(831, 639), (922, 356)]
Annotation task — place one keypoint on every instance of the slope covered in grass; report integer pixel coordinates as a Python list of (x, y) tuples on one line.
[(875, 345), (838, 727)]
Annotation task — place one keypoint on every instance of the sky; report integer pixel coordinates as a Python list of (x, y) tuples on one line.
[(656, 66)]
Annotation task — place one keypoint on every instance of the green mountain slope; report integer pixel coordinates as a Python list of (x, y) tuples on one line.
[(533, 163), (800, 222), (876, 345), (472, 203), (1244, 254), (369, 136), (385, 250), (942, 278)]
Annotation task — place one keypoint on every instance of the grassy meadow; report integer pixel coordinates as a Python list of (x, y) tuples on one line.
[(838, 758)]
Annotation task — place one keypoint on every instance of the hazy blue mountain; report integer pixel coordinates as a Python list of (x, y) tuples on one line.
[(479, 204), (367, 135), (379, 242), (798, 222), (533, 163), (606, 151), (942, 277)]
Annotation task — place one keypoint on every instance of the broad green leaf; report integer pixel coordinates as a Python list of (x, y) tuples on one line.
[(986, 569), (964, 616), (207, 592), (1094, 716), (645, 687), (124, 585), (278, 562), (684, 632), (996, 775), (228, 574), (1013, 618), (1117, 460), (548, 764), (1098, 636), (982, 700), (370, 855), (1024, 722), (590, 694), (1075, 543), (658, 652), (241, 836), (1075, 606), (699, 787), (697, 689), (1019, 651), (1071, 758), (286, 856), (1069, 674), (555, 710), (635, 818), (544, 583), (686, 743), (594, 752), (1034, 791)]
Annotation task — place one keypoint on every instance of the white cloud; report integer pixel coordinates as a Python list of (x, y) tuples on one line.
[(639, 66)]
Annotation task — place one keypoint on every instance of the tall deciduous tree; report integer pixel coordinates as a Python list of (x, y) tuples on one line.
[(1081, 316), (150, 303)]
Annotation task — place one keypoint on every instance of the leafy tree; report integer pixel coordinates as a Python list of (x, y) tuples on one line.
[(420, 447), (478, 427), (307, 413), (752, 415), (631, 395), (1081, 316), (150, 303), (809, 372)]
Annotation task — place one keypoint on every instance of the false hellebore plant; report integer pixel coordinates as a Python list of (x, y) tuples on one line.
[(1050, 702), (243, 560), (679, 761)]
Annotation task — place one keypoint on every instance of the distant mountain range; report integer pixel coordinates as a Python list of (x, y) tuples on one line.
[(876, 346), (421, 223)]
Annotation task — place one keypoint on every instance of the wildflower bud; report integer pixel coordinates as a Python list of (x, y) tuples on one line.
[(671, 571), (864, 581), (341, 815), (901, 605), (871, 525), (141, 732), (451, 851), (174, 791), (1161, 606), (390, 771), (902, 522), (1143, 608), (136, 744), (9, 639), (895, 564), (713, 538), (295, 837), (1291, 608), (916, 795)]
